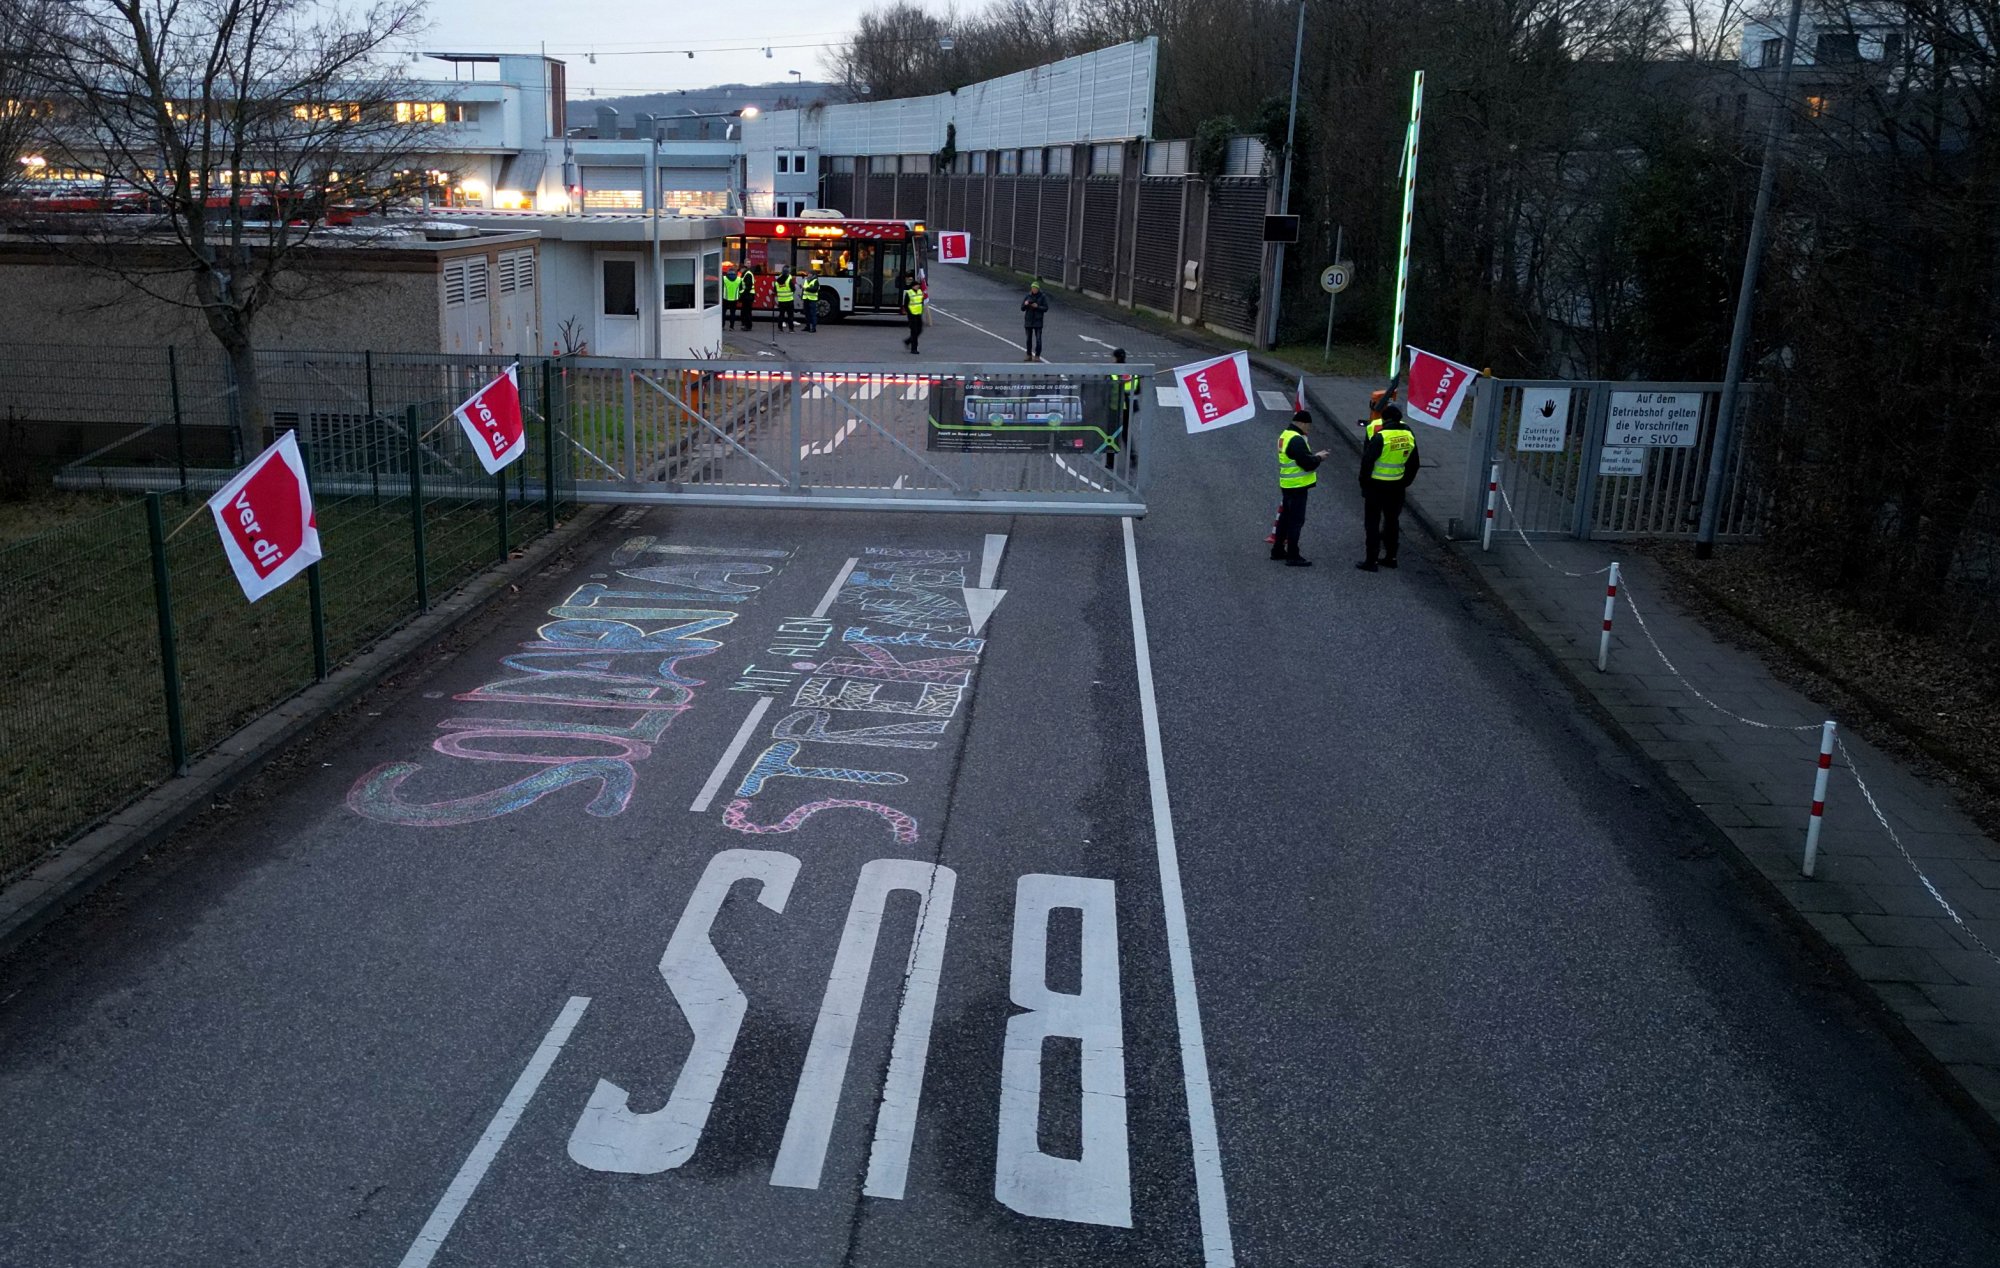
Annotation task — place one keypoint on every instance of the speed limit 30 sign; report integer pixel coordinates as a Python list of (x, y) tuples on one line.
[(1335, 277)]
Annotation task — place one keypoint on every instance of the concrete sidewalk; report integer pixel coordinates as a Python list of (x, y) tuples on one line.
[(1910, 900)]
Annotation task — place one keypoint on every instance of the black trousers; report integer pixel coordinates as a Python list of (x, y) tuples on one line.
[(1032, 341), (1381, 517), (916, 330), (785, 320), (743, 313), (1291, 518)]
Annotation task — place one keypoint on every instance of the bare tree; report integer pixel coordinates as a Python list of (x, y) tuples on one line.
[(238, 123), (22, 110)]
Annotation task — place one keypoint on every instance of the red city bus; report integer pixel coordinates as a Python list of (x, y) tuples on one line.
[(859, 262)]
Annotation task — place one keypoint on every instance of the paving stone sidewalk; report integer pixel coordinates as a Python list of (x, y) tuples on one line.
[(1755, 783)]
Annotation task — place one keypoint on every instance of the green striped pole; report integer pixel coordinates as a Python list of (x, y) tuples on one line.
[(1410, 137)]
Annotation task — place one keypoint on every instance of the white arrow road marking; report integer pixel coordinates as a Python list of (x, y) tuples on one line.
[(1275, 400), (899, 482), (438, 1227), (1168, 396), (979, 605), (1099, 342), (989, 560)]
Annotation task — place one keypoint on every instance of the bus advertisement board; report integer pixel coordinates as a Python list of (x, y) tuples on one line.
[(1056, 414)]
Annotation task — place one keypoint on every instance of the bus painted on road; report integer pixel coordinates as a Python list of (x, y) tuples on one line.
[(859, 262)]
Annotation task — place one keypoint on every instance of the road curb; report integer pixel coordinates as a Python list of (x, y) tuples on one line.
[(71, 873)]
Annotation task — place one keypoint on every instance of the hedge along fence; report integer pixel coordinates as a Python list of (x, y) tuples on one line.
[(127, 648)]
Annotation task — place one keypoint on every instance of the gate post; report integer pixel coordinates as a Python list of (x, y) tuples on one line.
[(1595, 423), (797, 389), (1484, 450), (631, 431)]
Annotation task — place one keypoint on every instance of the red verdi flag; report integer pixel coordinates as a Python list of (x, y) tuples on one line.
[(1217, 392), (492, 421), (1437, 387), (265, 518), (954, 247)]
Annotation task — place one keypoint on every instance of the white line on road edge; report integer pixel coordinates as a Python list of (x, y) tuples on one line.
[(1218, 1249), (1012, 343), (1078, 475), (729, 756), (439, 1226), (833, 591)]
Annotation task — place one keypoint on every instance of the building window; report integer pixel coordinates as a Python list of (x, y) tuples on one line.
[(711, 279), (1031, 162), (841, 165), (697, 202), (1816, 107), (882, 165), (1837, 47), (613, 200), (916, 164), (1771, 52), (1059, 160), (1010, 162), (1107, 159), (420, 112), (979, 162), (314, 111), (1892, 47), (621, 288), (677, 283)]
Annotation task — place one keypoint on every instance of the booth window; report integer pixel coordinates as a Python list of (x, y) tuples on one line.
[(678, 275), (711, 279)]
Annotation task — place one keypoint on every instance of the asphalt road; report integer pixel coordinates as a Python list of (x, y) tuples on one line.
[(469, 982)]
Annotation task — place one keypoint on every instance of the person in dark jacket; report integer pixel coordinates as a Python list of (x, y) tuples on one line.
[(1033, 309), (1389, 464), (1297, 460)]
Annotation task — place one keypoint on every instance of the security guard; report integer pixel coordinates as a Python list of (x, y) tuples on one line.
[(749, 296), (783, 290), (913, 308), (732, 297), (1297, 460), (809, 295), (1389, 463)]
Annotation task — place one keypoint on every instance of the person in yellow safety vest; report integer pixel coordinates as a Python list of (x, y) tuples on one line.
[(784, 292), (1124, 407), (749, 296), (1373, 423), (732, 298), (1389, 463), (913, 308), (809, 297), (1297, 460)]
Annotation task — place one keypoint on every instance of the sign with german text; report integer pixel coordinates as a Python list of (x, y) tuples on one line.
[(1659, 419), (1437, 388), (264, 516), (954, 247), (492, 421), (1622, 460), (1544, 420), (1217, 392)]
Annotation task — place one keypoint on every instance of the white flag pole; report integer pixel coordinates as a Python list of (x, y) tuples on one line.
[(1410, 138)]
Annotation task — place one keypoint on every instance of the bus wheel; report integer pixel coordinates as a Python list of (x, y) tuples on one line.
[(829, 308)]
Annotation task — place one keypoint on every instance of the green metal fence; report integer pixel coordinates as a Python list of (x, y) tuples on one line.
[(127, 648)]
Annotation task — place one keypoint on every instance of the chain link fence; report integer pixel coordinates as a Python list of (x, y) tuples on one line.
[(127, 648)]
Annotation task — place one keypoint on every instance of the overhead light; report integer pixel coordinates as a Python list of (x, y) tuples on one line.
[(767, 52), (749, 112), (592, 57), (690, 54)]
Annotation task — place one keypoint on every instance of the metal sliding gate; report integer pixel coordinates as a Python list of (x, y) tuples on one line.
[(1041, 439), (1594, 458)]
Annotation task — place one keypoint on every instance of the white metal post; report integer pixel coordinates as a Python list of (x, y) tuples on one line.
[(1819, 797), (1610, 602), (1492, 497)]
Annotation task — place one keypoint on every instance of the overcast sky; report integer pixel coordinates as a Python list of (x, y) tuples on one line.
[(727, 39)]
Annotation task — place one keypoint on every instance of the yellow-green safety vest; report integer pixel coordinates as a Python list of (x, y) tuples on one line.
[(732, 288), (1397, 445), (809, 290), (784, 290), (913, 302), (1290, 474)]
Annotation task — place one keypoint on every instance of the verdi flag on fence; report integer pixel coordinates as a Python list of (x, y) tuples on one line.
[(1216, 393), (954, 247), (1436, 388), (492, 421), (265, 518)]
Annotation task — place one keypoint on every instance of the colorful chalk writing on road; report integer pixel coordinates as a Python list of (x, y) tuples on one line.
[(615, 652)]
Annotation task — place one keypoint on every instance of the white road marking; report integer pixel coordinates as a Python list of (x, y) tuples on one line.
[(989, 559), (610, 1135), (917, 391), (1277, 401), (1096, 1186), (1212, 1199), (899, 482), (1012, 343), (979, 605), (1075, 474), (868, 391), (1169, 397), (802, 1155), (833, 591), (459, 1192), (729, 756), (829, 446), (1099, 342)]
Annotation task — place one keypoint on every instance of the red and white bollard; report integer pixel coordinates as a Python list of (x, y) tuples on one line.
[(1610, 603), (1492, 498), (1819, 797)]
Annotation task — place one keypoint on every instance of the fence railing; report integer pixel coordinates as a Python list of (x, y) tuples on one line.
[(127, 648)]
